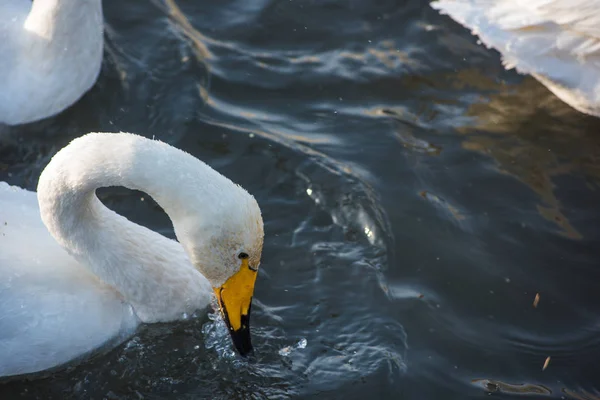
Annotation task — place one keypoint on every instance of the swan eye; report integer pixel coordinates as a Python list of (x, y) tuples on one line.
[(243, 256)]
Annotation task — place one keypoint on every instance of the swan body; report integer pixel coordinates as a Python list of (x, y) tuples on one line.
[(50, 55), (555, 41), (75, 276)]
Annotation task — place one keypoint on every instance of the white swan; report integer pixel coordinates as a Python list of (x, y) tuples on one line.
[(102, 275), (556, 41), (50, 55)]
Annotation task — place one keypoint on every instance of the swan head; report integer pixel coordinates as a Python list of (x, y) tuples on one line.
[(224, 243)]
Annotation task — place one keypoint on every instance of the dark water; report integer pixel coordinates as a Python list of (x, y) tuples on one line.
[(416, 197)]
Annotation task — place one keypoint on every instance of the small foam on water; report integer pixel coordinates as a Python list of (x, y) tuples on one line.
[(286, 351)]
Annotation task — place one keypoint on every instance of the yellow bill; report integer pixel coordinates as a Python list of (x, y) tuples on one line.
[(235, 300)]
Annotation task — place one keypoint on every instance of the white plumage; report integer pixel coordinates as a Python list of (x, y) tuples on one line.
[(90, 276), (556, 41), (50, 55)]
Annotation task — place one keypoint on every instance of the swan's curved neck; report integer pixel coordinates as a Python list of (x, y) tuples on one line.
[(136, 261)]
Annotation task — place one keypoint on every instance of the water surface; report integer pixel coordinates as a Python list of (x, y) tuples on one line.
[(416, 198)]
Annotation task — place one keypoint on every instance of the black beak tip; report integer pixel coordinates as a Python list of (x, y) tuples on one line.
[(245, 352), (241, 341)]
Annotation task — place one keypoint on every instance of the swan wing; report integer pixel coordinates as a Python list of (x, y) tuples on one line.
[(52, 310), (556, 41)]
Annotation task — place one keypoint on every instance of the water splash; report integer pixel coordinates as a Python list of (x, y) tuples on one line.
[(287, 350), (216, 335)]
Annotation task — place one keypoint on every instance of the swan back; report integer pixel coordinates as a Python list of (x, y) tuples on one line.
[(51, 309), (556, 41), (50, 55)]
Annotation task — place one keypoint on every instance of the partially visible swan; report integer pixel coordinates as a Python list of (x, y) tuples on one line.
[(50, 55), (95, 276), (556, 41)]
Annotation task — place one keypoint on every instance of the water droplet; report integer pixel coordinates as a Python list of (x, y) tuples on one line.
[(285, 351)]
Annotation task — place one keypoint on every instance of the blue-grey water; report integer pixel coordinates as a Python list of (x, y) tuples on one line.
[(416, 198)]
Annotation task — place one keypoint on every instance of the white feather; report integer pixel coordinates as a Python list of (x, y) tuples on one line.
[(556, 41), (50, 55), (90, 276)]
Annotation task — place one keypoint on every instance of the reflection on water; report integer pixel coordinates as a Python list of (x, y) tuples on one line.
[(584, 395), (534, 137), (526, 389), (197, 39), (492, 386), (443, 205)]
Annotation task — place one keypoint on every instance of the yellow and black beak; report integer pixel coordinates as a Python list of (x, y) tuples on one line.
[(235, 300)]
